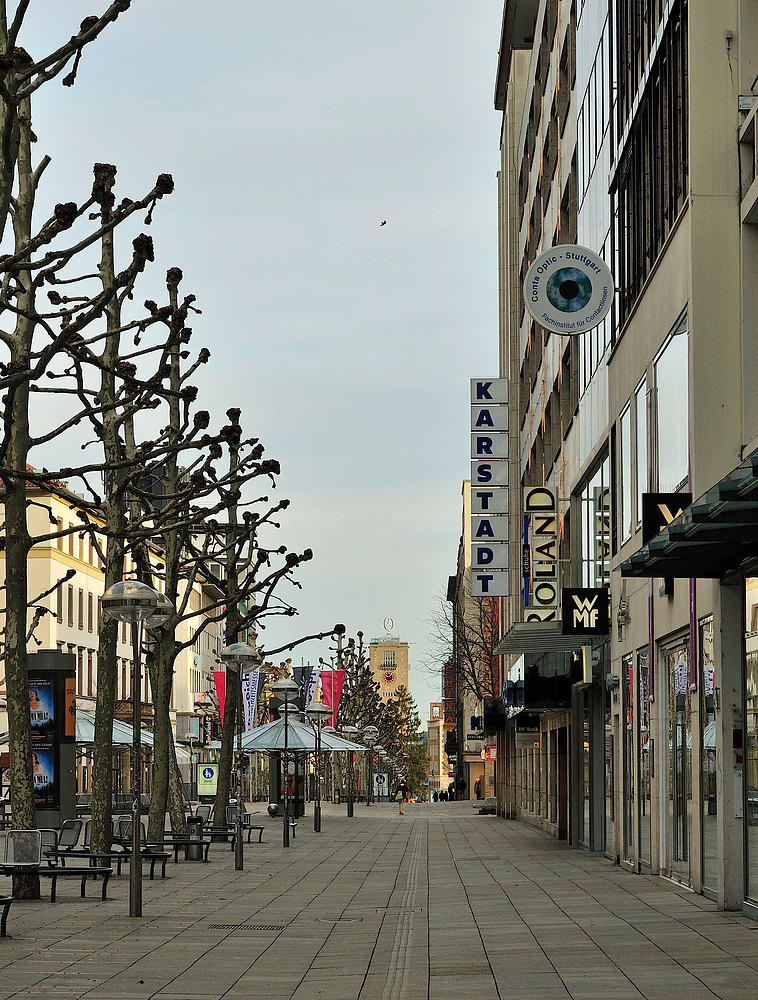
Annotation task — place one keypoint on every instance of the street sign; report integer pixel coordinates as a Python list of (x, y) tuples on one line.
[(380, 784), (476, 736), (207, 779)]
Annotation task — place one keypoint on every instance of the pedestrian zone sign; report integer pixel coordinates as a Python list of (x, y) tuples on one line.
[(207, 779)]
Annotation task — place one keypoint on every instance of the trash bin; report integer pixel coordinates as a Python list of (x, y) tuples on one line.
[(194, 852)]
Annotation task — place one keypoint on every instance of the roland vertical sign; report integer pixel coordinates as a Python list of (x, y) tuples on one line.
[(489, 488), (540, 554)]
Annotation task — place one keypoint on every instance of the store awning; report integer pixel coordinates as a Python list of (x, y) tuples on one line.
[(538, 637), (717, 534)]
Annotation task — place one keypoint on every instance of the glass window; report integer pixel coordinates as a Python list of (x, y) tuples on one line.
[(595, 526), (708, 763), (625, 474), (640, 413), (672, 411)]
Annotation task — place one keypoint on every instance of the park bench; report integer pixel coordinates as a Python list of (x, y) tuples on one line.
[(488, 807), (61, 871), (119, 857), (5, 903)]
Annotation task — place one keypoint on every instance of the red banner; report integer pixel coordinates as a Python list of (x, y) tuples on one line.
[(219, 676), (331, 686)]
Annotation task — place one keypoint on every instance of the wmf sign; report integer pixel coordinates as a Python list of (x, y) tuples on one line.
[(540, 554), (585, 611), (489, 488)]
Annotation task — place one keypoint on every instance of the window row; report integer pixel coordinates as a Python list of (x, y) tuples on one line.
[(652, 432), (594, 113), (651, 186)]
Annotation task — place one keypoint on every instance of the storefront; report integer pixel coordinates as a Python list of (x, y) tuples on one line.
[(689, 711)]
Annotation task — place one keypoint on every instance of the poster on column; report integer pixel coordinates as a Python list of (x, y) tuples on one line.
[(42, 706), (43, 770)]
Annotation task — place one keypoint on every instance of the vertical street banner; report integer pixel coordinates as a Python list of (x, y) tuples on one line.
[(311, 687), (331, 685), (219, 677), (250, 696)]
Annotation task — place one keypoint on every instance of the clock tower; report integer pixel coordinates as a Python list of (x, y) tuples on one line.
[(389, 662)]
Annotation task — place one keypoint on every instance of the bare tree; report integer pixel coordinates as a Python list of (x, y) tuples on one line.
[(466, 630)]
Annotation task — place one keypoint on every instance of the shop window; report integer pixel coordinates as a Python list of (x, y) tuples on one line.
[(641, 465), (672, 410), (625, 475)]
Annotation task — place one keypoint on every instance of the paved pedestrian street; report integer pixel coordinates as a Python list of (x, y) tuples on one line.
[(440, 903)]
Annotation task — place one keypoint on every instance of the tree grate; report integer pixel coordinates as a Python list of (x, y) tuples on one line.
[(247, 927)]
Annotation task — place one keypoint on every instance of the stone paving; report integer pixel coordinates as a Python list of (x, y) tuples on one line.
[(440, 903)]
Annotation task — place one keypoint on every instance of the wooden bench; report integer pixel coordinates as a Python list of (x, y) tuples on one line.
[(5, 902), (83, 873)]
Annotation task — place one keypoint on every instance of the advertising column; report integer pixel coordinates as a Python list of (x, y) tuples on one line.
[(52, 711)]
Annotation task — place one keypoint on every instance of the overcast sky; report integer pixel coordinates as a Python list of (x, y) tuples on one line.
[(293, 129)]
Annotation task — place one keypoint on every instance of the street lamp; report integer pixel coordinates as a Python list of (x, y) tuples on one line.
[(135, 602), (350, 732), (317, 713), (239, 655), (370, 736), (285, 690)]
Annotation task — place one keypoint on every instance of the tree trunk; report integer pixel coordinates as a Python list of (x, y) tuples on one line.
[(227, 751), (175, 797), (164, 757), (18, 540)]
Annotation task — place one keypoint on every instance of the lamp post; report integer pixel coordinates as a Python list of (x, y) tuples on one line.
[(239, 655), (350, 732), (135, 602), (317, 713), (285, 690), (370, 736)]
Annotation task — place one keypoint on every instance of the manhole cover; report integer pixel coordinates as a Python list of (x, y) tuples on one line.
[(247, 927)]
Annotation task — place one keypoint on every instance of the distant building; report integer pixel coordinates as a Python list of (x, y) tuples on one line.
[(389, 664), (437, 765)]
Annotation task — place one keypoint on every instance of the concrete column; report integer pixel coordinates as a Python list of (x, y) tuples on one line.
[(728, 656)]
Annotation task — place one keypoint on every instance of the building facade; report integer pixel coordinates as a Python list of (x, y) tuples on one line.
[(68, 620), (388, 658), (630, 129)]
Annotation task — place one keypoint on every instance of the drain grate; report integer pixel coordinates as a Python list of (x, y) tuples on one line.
[(247, 927)]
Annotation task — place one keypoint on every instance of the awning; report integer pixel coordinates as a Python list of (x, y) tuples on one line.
[(300, 736), (717, 534), (538, 637)]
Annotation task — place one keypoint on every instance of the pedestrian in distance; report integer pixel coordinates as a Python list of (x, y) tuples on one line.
[(435, 796), (462, 788), (401, 795)]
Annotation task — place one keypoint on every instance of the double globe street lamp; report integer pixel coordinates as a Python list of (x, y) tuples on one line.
[(286, 691), (137, 604), (370, 736), (350, 732), (318, 713), (238, 656)]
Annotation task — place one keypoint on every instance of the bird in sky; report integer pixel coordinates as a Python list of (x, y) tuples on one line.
[(383, 223)]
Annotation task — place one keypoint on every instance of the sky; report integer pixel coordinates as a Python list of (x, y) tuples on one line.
[(293, 129)]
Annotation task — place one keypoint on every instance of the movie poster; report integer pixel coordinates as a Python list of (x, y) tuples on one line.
[(70, 706), (42, 705), (43, 768)]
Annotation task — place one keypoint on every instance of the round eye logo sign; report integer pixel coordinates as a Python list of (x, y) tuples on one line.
[(568, 290)]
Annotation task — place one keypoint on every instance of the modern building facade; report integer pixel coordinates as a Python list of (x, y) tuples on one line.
[(629, 129)]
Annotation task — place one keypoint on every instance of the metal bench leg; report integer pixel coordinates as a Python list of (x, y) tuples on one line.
[(4, 919), (260, 836), (53, 880), (105, 885), (163, 867), (84, 884)]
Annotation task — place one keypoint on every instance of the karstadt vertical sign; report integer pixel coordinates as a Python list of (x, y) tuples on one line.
[(489, 488)]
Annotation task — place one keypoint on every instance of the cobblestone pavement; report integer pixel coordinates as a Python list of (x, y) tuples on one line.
[(440, 903)]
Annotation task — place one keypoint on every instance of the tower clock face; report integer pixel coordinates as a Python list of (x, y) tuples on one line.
[(388, 676)]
